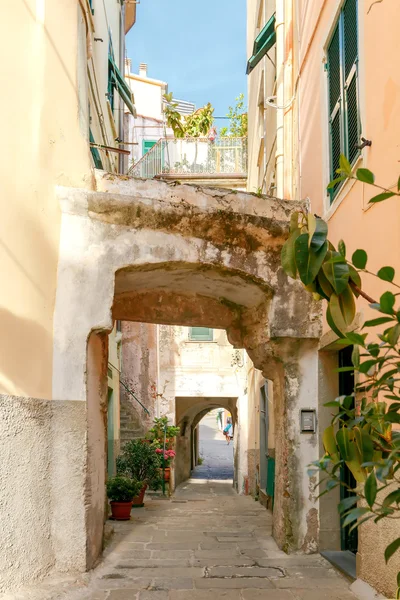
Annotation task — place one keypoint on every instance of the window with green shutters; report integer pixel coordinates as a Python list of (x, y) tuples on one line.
[(344, 114), (200, 334)]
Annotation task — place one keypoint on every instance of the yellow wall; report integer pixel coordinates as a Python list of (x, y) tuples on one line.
[(45, 128)]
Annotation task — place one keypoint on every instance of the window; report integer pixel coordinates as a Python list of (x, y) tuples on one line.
[(147, 145), (200, 334), (344, 114)]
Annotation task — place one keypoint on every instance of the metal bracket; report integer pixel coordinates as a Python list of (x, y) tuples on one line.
[(364, 143)]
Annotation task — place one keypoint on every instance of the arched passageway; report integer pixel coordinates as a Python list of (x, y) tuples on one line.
[(215, 453), (189, 413), (153, 252)]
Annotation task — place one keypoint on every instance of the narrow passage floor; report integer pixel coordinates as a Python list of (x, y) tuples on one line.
[(207, 542)]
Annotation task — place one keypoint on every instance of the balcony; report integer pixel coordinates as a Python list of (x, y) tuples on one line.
[(222, 162)]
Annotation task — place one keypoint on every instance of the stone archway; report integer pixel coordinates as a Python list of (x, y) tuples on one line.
[(178, 254), (189, 412)]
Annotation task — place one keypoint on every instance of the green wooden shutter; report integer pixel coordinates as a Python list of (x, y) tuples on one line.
[(200, 334), (95, 153), (147, 145), (350, 44), (344, 115), (335, 104)]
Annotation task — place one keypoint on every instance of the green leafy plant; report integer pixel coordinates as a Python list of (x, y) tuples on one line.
[(195, 125), (140, 462), (160, 429), (123, 489), (361, 437), (238, 120)]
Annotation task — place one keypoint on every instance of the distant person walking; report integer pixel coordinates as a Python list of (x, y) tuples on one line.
[(227, 430)]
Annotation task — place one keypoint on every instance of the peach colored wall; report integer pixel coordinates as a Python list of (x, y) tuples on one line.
[(375, 228)]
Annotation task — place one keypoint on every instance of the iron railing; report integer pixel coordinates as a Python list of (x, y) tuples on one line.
[(193, 156)]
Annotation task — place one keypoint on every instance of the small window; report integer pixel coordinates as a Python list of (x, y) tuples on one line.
[(344, 113), (147, 145), (200, 334)]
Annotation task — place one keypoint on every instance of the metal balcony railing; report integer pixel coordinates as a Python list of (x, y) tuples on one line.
[(193, 156)]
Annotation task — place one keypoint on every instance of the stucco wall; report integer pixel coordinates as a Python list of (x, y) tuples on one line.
[(42, 482), (374, 228)]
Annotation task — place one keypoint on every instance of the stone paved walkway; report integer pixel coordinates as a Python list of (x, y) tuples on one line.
[(207, 542)]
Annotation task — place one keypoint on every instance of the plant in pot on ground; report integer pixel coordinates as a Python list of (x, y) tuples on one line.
[(162, 437), (121, 491), (140, 462)]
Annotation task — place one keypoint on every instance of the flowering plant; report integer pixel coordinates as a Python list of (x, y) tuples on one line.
[(169, 455)]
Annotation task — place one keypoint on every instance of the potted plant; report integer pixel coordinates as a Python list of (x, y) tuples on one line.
[(167, 457), (140, 462), (162, 436), (121, 491)]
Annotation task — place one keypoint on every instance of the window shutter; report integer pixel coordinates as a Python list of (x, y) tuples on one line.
[(201, 334), (352, 121), (335, 102)]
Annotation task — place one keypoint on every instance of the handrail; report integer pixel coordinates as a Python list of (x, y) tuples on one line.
[(193, 156)]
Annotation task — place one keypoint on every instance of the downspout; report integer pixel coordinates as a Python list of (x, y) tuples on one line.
[(121, 158), (288, 92), (89, 47), (280, 95)]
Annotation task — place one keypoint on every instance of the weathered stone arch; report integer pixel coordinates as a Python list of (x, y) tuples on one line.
[(179, 254)]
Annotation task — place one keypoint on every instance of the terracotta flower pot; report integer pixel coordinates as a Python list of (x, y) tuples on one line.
[(167, 473), (138, 501), (121, 511)]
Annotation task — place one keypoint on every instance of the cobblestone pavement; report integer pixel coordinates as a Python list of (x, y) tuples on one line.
[(207, 542), (216, 453)]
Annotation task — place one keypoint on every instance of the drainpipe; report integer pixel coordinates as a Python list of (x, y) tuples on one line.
[(121, 158), (280, 95), (289, 111)]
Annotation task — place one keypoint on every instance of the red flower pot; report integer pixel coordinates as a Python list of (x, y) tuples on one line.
[(138, 501), (121, 511), (167, 473)]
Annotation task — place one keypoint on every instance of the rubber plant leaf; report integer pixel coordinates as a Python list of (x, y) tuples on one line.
[(288, 254), (347, 305), (318, 233), (336, 270), (308, 262), (328, 439)]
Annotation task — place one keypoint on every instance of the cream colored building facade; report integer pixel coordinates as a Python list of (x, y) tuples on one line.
[(66, 77), (332, 80)]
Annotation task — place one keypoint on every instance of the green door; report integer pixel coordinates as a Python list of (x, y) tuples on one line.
[(349, 539)]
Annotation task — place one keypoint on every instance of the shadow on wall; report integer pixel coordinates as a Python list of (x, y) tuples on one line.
[(22, 367)]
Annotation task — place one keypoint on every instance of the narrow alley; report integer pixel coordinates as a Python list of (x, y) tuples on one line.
[(216, 454), (207, 542)]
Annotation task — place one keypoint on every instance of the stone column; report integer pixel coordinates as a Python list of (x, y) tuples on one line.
[(294, 374)]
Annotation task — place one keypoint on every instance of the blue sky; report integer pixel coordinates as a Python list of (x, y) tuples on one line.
[(197, 47)]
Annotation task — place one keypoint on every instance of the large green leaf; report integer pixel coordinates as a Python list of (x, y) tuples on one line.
[(393, 497), (328, 439), (336, 313), (365, 445), (381, 197), (391, 549), (371, 488), (343, 442), (365, 175), (336, 271), (386, 302), (359, 259), (347, 503), (332, 323), (288, 254), (324, 284), (355, 514), (344, 164), (386, 273), (308, 262), (354, 276), (294, 221), (347, 305), (318, 231)]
